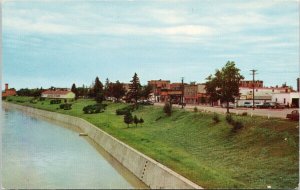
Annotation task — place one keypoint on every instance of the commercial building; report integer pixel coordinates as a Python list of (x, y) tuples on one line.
[(249, 83), (158, 87), (8, 91), (289, 99)]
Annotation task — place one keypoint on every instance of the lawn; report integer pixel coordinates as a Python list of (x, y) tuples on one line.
[(263, 153)]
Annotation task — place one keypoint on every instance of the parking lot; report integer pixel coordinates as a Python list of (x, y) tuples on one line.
[(269, 113)]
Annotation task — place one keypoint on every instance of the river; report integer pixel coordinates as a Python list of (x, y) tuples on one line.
[(39, 153)]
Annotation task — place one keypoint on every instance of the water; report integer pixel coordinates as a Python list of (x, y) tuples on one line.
[(42, 154)]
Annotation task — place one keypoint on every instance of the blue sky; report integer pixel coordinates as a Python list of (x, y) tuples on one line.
[(57, 43)]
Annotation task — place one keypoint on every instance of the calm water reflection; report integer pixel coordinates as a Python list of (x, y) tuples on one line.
[(42, 154)]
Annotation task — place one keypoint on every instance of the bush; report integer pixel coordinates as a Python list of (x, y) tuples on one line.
[(195, 109), (20, 101), (237, 126), (55, 101), (95, 108), (135, 120), (244, 114), (168, 108), (128, 118), (125, 110), (9, 100), (141, 120), (65, 106), (229, 118), (42, 99), (216, 118), (3, 97)]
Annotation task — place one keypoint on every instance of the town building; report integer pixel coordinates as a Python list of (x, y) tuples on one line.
[(58, 94), (8, 91), (158, 86), (261, 94), (250, 83), (191, 93), (290, 99)]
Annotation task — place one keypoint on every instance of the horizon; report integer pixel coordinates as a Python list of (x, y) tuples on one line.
[(61, 43)]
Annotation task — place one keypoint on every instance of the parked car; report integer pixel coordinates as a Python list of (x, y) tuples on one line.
[(294, 115), (267, 105), (279, 106), (248, 104)]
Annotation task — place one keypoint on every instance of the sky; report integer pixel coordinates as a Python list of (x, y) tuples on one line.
[(58, 43)]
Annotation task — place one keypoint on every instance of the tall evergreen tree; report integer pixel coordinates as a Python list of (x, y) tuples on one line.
[(74, 90), (134, 89), (98, 86)]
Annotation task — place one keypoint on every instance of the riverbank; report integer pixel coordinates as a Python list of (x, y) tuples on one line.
[(263, 153)]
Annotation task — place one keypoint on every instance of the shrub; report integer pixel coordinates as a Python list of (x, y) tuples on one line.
[(128, 118), (9, 100), (3, 97), (244, 114), (135, 120), (20, 101), (55, 101), (141, 120), (216, 118), (125, 110), (237, 126), (168, 108), (195, 109), (95, 108), (229, 118), (42, 99), (65, 106)]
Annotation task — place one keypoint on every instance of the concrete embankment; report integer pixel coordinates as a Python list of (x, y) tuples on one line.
[(152, 173)]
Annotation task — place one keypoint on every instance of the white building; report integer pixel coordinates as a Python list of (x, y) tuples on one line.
[(58, 94), (289, 99)]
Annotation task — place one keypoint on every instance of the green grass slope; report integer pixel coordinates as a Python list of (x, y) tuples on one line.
[(263, 153)]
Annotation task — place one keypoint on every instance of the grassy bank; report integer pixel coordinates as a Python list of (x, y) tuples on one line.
[(263, 153)]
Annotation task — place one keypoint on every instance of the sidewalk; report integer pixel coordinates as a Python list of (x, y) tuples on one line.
[(269, 113)]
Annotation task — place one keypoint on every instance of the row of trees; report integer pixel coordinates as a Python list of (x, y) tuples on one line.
[(116, 90), (36, 92)]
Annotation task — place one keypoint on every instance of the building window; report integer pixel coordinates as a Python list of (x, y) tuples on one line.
[(284, 100), (276, 100), (256, 90)]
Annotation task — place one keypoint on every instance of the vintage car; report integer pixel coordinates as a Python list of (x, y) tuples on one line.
[(294, 115)]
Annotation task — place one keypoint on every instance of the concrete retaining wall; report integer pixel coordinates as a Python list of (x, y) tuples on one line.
[(152, 173)]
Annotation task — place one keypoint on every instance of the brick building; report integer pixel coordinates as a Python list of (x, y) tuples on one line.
[(8, 91), (158, 87), (249, 83)]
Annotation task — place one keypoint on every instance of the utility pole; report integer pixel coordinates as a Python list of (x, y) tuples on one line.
[(182, 93), (253, 85)]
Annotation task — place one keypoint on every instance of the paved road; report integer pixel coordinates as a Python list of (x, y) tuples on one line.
[(277, 113)]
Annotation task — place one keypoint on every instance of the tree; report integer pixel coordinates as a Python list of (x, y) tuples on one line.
[(128, 118), (141, 120), (146, 91), (99, 97), (98, 87), (118, 90), (211, 89), (168, 108), (135, 120), (74, 90), (107, 88), (134, 89), (224, 85)]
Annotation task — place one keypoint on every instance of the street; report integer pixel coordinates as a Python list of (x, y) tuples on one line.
[(275, 113)]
